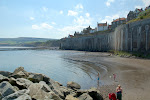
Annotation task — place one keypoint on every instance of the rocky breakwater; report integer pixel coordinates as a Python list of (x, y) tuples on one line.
[(22, 85)]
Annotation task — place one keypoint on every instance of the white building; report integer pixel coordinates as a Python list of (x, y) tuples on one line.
[(102, 26), (93, 30)]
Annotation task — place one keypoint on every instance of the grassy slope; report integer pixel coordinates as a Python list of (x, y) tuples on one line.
[(142, 15)]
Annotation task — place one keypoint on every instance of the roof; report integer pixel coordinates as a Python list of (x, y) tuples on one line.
[(102, 24), (119, 19)]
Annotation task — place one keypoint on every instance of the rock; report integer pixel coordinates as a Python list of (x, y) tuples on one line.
[(45, 87), (19, 95), (5, 73), (85, 96), (73, 85), (70, 97), (20, 73), (23, 82), (53, 96), (3, 78), (17, 70), (95, 94), (35, 78), (58, 83), (66, 91), (6, 89), (56, 88), (37, 92), (46, 79)]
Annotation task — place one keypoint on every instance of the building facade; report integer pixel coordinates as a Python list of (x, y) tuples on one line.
[(102, 26), (118, 22)]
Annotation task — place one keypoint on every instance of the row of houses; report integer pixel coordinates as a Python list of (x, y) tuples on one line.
[(116, 22)]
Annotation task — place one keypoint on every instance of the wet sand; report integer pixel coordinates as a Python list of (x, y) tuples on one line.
[(132, 74)]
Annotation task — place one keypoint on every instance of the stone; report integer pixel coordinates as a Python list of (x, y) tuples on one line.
[(58, 83), (85, 96), (73, 85), (45, 87), (35, 78), (23, 82), (54, 96), (19, 95), (95, 94), (6, 89), (3, 78), (37, 92), (70, 97), (20, 73), (5, 73)]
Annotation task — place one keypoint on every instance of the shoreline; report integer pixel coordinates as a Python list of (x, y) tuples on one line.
[(132, 73)]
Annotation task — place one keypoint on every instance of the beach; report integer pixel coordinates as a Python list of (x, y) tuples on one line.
[(131, 73)]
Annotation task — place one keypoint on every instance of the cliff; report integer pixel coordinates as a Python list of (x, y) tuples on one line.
[(133, 36)]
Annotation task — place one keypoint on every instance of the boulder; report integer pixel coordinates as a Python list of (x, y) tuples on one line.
[(36, 78), (3, 78), (37, 91), (53, 96), (17, 70), (6, 89), (85, 96), (45, 87), (23, 82), (70, 97), (20, 73), (5, 73), (95, 94), (73, 85), (19, 95)]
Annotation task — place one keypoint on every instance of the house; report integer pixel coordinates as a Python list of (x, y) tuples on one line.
[(118, 22), (109, 27), (147, 7), (70, 36), (102, 26), (93, 30), (86, 30), (137, 11), (131, 15)]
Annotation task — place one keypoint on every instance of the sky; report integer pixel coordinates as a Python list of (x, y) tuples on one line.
[(59, 18)]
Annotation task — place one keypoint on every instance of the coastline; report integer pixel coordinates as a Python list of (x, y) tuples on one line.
[(132, 73)]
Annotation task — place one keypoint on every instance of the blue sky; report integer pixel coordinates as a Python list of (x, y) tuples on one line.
[(58, 18)]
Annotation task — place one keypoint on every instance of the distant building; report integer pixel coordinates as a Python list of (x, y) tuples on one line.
[(102, 26), (131, 16), (70, 36), (118, 22), (137, 11), (147, 7), (109, 27), (86, 30), (93, 30)]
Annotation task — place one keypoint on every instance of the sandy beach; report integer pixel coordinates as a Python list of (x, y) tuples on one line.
[(132, 73)]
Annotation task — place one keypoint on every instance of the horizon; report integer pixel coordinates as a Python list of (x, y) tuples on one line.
[(50, 19)]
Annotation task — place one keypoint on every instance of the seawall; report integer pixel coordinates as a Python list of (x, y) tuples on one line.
[(128, 37)]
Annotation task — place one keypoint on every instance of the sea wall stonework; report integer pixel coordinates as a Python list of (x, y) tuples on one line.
[(128, 37)]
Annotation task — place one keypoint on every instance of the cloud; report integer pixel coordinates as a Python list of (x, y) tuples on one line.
[(53, 23), (109, 2), (79, 6), (42, 26), (61, 12), (83, 21), (72, 13), (87, 15), (139, 7), (45, 9), (36, 27), (32, 18), (146, 2), (109, 19)]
